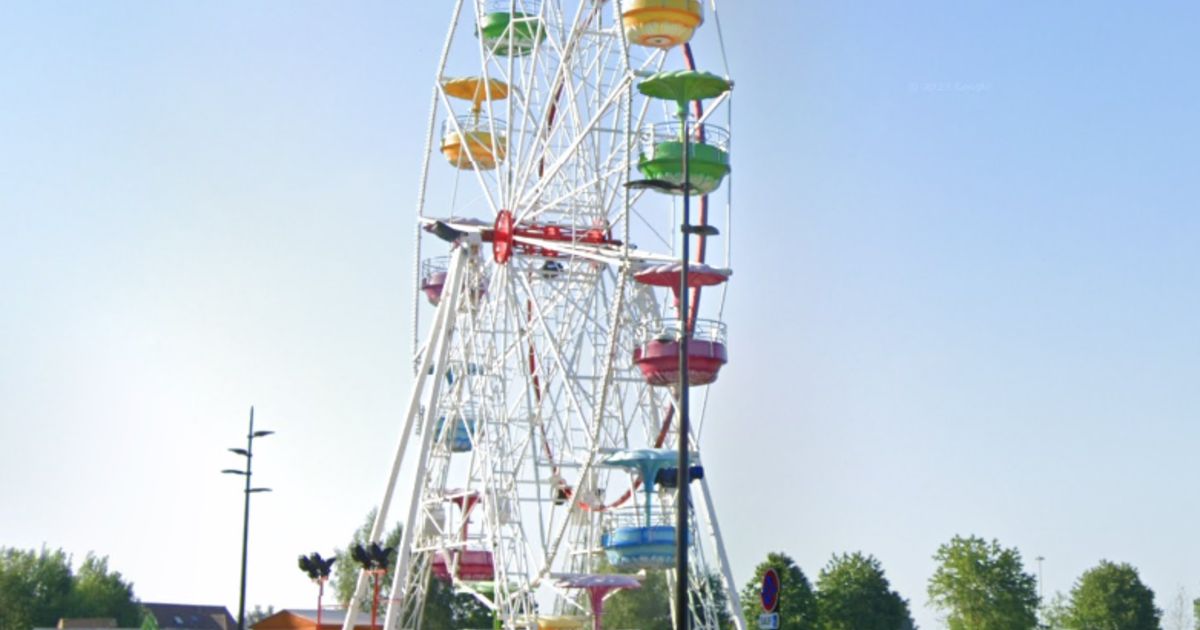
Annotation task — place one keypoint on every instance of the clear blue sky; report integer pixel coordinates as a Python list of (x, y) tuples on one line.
[(965, 297)]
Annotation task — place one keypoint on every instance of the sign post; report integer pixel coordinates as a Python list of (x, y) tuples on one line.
[(769, 596)]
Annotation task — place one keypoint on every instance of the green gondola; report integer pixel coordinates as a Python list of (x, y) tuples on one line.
[(512, 28), (708, 160)]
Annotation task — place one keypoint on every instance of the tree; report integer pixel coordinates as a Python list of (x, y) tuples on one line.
[(797, 603), (446, 609), (345, 570), (853, 594), (720, 597), (1057, 612), (97, 592), (443, 607), (647, 608), (39, 588), (983, 586), (1112, 596), (1179, 617), (34, 587)]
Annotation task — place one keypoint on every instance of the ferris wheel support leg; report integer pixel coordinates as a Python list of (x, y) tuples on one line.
[(440, 323), (440, 344), (735, 603)]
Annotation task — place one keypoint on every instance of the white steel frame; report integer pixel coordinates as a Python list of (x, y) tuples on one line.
[(542, 357)]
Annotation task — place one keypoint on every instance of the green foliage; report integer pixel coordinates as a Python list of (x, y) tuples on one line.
[(983, 586), (1196, 612), (853, 594), (720, 600), (38, 588), (649, 607), (646, 608), (1179, 616), (148, 621), (101, 593), (1112, 596), (346, 570), (1057, 613), (34, 587), (797, 602), (443, 607), (446, 609)]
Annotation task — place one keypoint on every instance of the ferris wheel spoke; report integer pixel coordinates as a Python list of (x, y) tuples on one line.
[(535, 196), (531, 88), (551, 343), (587, 321), (543, 388), (537, 112), (614, 156), (547, 127), (453, 121), (562, 82), (604, 176)]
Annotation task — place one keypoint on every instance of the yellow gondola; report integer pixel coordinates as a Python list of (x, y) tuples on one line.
[(661, 23), (474, 143), (563, 622)]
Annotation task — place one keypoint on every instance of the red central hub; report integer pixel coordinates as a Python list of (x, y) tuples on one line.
[(505, 232), (502, 237)]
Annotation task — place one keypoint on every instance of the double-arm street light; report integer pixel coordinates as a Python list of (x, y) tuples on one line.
[(247, 453)]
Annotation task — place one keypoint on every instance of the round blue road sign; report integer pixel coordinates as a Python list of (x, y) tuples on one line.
[(770, 591)]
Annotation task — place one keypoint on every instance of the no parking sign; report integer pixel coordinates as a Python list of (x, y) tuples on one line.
[(769, 596)]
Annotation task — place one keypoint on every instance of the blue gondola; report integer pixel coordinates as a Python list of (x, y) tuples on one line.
[(640, 547), (460, 441)]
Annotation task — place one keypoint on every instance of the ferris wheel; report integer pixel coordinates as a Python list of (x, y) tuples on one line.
[(553, 305)]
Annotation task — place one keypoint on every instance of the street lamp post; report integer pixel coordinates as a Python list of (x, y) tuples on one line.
[(683, 468), (683, 500), (318, 569), (247, 453), (683, 474), (1041, 590), (375, 559), (683, 87)]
